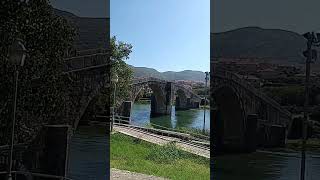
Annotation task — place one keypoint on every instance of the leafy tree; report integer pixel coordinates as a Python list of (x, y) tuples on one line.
[(120, 52), (291, 95), (42, 90)]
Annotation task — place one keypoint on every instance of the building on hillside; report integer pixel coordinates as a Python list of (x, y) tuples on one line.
[(269, 74), (255, 81), (289, 70)]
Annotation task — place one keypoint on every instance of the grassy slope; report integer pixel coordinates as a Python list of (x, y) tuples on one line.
[(130, 154), (312, 145)]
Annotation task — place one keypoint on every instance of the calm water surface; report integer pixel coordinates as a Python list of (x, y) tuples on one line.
[(88, 154), (190, 118), (265, 166)]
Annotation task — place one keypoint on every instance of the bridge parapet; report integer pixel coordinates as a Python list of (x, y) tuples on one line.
[(237, 101), (137, 81), (230, 76), (189, 91), (85, 61)]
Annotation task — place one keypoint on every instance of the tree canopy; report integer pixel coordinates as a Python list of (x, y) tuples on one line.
[(42, 90), (120, 52)]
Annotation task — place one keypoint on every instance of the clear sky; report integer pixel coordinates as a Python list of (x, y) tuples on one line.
[(168, 35)]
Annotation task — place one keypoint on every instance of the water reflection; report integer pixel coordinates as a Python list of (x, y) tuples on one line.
[(265, 166), (88, 154), (189, 118)]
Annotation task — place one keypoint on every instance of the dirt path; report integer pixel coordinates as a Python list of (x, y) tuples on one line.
[(117, 174), (161, 140)]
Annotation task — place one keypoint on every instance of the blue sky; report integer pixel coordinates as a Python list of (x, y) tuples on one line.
[(168, 35)]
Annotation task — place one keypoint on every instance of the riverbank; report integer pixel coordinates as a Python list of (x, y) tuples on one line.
[(166, 161), (312, 145), (143, 102), (205, 107)]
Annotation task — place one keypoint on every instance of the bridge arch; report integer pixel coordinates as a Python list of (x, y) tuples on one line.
[(160, 100), (231, 119), (181, 100), (87, 100), (260, 114), (163, 94)]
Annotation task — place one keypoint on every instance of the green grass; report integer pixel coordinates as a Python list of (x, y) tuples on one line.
[(206, 107), (135, 155), (311, 145), (195, 131), (142, 102)]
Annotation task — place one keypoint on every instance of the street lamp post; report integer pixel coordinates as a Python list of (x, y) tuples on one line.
[(114, 80), (310, 54), (17, 55), (205, 101)]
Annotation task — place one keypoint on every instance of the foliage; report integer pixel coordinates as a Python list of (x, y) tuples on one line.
[(292, 95), (312, 145), (46, 38), (120, 52), (289, 95), (202, 91), (167, 154), (195, 131)]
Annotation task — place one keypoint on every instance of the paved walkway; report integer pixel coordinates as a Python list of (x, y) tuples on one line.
[(161, 140), (117, 174)]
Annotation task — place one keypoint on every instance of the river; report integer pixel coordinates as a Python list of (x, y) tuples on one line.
[(192, 118), (88, 152), (266, 166)]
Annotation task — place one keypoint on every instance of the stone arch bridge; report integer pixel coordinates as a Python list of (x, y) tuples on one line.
[(90, 70), (163, 96), (47, 153), (244, 118)]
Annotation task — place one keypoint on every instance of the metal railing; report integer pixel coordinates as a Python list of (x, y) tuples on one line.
[(182, 138), (193, 135)]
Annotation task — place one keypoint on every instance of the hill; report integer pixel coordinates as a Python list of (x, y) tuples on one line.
[(92, 33), (169, 75), (253, 42)]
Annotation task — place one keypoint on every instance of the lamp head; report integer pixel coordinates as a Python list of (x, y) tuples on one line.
[(115, 78), (17, 52)]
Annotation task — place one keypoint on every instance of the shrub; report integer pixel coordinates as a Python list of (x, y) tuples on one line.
[(165, 154)]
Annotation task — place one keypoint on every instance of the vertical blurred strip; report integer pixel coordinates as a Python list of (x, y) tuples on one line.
[(211, 97)]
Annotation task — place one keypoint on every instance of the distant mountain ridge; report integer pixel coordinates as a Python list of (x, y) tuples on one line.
[(276, 45), (187, 75), (92, 33)]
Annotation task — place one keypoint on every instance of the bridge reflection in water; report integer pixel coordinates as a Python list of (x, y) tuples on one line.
[(189, 118)]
